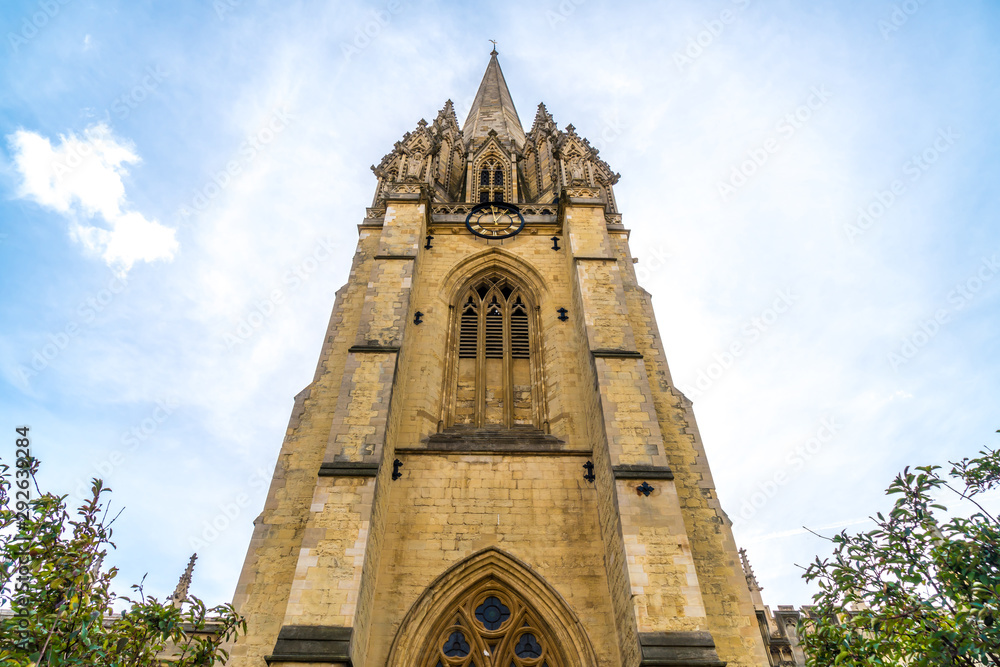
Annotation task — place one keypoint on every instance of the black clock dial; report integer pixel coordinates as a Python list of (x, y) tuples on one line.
[(495, 220)]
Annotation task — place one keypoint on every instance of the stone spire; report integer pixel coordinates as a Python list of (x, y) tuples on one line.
[(184, 583), (493, 109)]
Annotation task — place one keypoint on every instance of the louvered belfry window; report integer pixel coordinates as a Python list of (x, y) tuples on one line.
[(494, 387)]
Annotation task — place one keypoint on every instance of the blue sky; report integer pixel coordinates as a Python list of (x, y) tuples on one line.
[(811, 189)]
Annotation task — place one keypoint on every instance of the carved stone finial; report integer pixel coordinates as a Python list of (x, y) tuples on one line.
[(543, 119), (180, 593), (748, 571)]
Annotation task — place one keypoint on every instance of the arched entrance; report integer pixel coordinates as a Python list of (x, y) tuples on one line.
[(491, 626), (490, 610)]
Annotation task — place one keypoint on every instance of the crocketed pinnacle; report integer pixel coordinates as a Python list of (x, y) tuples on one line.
[(180, 593)]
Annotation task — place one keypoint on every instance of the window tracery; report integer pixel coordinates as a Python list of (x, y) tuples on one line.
[(494, 383), (492, 627), (491, 180)]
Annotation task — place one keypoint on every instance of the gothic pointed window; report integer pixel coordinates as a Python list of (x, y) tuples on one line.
[(492, 627), (494, 385), (491, 181)]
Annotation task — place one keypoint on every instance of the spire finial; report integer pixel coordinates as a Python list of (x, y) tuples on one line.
[(494, 51), (181, 592)]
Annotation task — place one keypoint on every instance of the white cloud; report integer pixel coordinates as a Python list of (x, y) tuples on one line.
[(81, 177)]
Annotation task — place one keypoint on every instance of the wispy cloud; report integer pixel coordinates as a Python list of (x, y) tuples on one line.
[(81, 178)]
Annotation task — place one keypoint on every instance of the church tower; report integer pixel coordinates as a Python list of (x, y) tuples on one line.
[(492, 465)]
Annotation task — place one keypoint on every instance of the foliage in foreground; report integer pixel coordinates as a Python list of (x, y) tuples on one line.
[(61, 599), (919, 589)]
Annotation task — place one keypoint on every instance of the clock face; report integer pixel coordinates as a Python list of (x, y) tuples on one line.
[(495, 220)]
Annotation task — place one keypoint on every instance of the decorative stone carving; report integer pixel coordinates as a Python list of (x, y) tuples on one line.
[(406, 188), (583, 193)]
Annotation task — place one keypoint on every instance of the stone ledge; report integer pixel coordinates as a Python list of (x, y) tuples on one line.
[(678, 649), (616, 354), (467, 440), (478, 449), (403, 197), (394, 257), (458, 220), (642, 472), (347, 469), (594, 258), (312, 643), (373, 348)]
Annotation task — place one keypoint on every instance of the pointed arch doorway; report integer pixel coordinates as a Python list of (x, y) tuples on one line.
[(490, 610), (491, 626)]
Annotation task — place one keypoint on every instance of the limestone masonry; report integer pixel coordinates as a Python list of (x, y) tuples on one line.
[(492, 465)]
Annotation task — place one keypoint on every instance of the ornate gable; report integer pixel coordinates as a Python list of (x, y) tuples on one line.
[(431, 154), (492, 170), (580, 165)]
